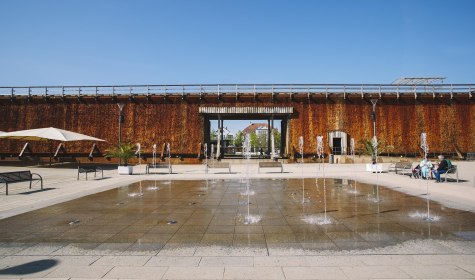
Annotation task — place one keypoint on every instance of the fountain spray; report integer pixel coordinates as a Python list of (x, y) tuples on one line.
[(320, 154), (169, 156), (205, 151), (352, 152), (301, 168), (374, 143), (140, 193), (154, 164), (312, 219), (249, 219), (140, 163), (425, 148)]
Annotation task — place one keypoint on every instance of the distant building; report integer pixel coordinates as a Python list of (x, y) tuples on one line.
[(258, 128)]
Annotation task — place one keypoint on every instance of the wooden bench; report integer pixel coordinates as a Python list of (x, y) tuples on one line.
[(470, 156), (400, 166), (451, 172), (158, 166), (90, 169), (218, 165), (270, 164), (19, 176)]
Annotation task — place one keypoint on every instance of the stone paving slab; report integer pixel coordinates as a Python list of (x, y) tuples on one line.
[(194, 273), (43, 249), (382, 260), (253, 273), (436, 272), (122, 261), (80, 271), (281, 261), (227, 261), (468, 267), (134, 272), (76, 260), (173, 261), (372, 272), (314, 273), (319, 267)]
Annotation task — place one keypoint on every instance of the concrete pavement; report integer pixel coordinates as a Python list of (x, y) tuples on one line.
[(414, 259)]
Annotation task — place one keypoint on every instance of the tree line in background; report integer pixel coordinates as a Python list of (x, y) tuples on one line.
[(258, 141)]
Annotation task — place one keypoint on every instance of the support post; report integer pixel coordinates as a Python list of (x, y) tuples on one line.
[(121, 119), (283, 136), (272, 143), (268, 137), (221, 154)]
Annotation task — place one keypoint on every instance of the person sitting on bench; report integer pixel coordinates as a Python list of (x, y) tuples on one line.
[(441, 168), (426, 167)]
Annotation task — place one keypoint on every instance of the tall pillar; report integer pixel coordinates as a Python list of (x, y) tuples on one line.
[(218, 139), (272, 140), (268, 136), (206, 130), (283, 136), (221, 152)]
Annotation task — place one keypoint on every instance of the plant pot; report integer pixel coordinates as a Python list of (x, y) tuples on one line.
[(125, 170), (374, 167)]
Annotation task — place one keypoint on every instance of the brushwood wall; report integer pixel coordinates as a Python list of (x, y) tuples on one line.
[(449, 124)]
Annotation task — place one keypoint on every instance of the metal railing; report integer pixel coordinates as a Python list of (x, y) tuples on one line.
[(244, 89)]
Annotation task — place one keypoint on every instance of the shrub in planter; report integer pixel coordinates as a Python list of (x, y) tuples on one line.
[(124, 152)]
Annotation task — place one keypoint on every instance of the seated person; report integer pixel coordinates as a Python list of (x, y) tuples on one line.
[(442, 167), (416, 172), (426, 167)]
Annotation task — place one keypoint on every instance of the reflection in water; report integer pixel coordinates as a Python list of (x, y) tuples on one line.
[(185, 214)]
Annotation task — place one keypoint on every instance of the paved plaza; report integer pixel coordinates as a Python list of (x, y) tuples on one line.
[(132, 245)]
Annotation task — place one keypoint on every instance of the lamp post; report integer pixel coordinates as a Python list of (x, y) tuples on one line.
[(121, 119), (373, 117)]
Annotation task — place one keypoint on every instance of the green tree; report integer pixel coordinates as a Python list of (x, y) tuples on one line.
[(277, 137), (239, 139), (213, 135), (254, 140), (262, 141), (369, 149)]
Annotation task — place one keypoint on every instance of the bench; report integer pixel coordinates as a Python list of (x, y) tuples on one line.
[(270, 164), (400, 166), (19, 176), (450, 172), (470, 156), (90, 169), (158, 166), (219, 165)]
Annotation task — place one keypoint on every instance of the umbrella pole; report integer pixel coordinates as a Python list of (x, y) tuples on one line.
[(50, 151)]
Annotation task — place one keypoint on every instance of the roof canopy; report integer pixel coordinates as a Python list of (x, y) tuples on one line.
[(48, 133)]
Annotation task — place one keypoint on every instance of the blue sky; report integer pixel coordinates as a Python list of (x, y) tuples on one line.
[(248, 41)]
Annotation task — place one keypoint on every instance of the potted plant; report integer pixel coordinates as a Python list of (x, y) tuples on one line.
[(370, 150), (124, 152)]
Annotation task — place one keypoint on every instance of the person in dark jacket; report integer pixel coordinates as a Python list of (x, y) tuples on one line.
[(441, 168)]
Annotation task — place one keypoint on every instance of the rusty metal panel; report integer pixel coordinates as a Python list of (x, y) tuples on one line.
[(449, 125)]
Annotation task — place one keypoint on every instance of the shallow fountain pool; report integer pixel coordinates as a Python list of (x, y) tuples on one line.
[(206, 213)]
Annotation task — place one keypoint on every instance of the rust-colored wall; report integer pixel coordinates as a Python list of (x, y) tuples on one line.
[(157, 120), (399, 124)]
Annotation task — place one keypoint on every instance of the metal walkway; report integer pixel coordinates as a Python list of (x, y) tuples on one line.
[(343, 90)]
